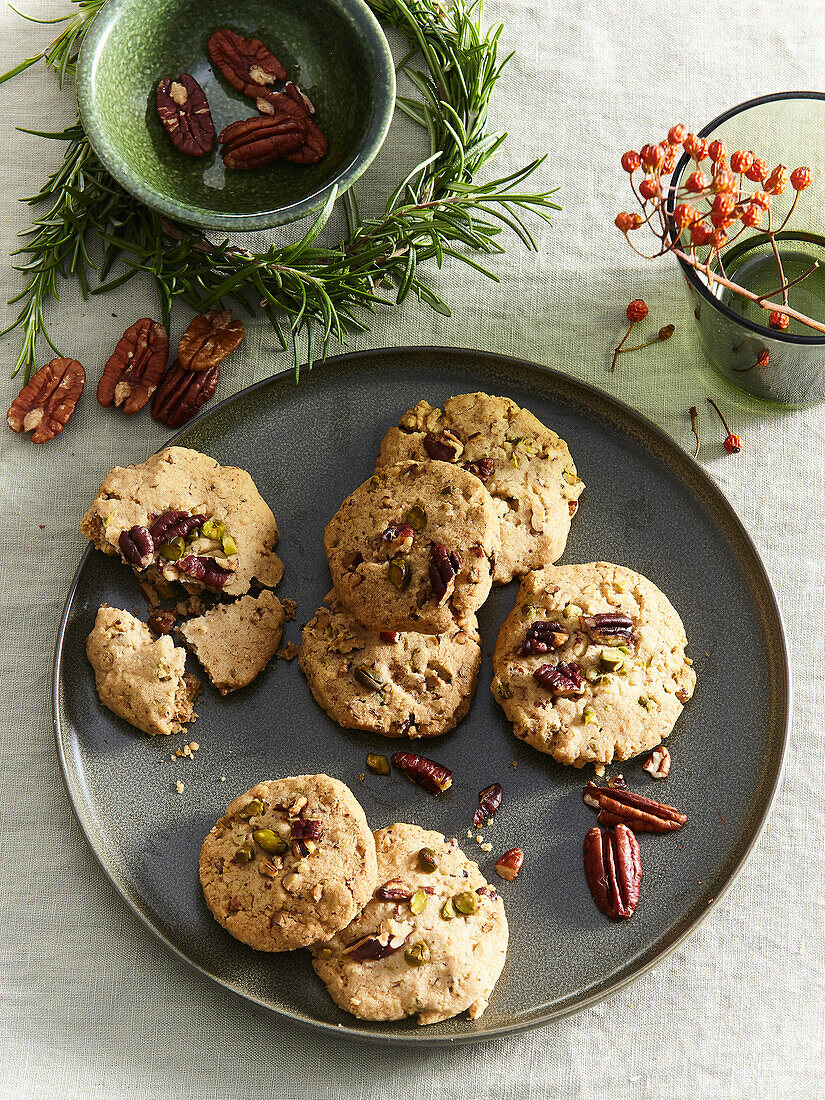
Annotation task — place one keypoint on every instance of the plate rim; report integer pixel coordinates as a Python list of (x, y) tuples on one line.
[(420, 1037)]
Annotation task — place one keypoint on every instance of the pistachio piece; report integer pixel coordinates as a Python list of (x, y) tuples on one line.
[(448, 909), (378, 764), (416, 517), (213, 529), (399, 573), (268, 869), (244, 854), (589, 715), (417, 954), (269, 841), (418, 902), (611, 659), (428, 860), (228, 545), (172, 550), (466, 902), (253, 808), (367, 678)]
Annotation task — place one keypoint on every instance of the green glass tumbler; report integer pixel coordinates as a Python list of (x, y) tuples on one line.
[(784, 367)]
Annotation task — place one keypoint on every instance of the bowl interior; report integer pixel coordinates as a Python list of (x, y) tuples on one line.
[(333, 49)]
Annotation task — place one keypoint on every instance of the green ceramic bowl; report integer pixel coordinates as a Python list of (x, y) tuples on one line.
[(334, 50)]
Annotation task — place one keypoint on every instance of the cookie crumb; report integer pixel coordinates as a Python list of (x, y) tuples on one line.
[(223, 779), (362, 776), (179, 787), (514, 764), (287, 652), (290, 607), (486, 847), (187, 751)]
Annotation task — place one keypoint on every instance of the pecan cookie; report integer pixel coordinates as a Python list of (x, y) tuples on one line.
[(389, 683), (430, 944), (292, 861), (138, 677), (235, 641), (414, 547), (590, 665), (182, 517), (526, 468)]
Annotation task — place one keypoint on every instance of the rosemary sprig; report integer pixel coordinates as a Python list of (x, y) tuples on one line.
[(311, 293)]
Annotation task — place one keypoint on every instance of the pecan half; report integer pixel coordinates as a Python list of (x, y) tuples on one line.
[(613, 867), (444, 567), (489, 801), (509, 865), (394, 890), (253, 142), (172, 525), (245, 62), (645, 815), (137, 546), (426, 773), (563, 679), (381, 944), (135, 367), (314, 147), (609, 628), (541, 637), (45, 404), (209, 339), (185, 115), (446, 447), (482, 468), (658, 763), (181, 393), (205, 569)]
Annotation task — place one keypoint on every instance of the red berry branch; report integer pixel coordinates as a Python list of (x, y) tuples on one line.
[(713, 208)]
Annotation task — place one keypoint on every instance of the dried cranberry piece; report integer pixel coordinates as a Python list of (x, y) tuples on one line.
[(310, 830), (444, 566)]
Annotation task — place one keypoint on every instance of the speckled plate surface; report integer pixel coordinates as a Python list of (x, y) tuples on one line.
[(646, 505)]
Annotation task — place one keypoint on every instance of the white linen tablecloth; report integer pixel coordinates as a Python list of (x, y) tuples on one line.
[(91, 1007)]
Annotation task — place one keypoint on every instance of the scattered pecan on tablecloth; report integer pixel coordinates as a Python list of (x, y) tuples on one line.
[(209, 339), (45, 404), (182, 392), (135, 367), (185, 115)]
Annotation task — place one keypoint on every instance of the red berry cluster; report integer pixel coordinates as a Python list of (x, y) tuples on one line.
[(711, 201)]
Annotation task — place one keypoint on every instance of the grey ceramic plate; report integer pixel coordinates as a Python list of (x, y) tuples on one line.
[(647, 505)]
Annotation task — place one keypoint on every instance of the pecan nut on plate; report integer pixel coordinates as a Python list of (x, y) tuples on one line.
[(645, 815), (613, 868), (135, 367), (182, 392), (209, 339), (45, 404), (185, 115), (246, 63)]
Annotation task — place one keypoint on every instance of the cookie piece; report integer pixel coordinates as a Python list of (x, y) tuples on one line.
[(414, 547), (590, 665), (393, 962), (389, 683), (138, 677), (239, 535), (291, 862), (235, 641), (526, 468)]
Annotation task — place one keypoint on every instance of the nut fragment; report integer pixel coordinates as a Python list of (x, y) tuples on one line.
[(209, 339), (254, 142), (446, 447), (367, 678), (509, 865), (644, 814), (489, 801), (613, 867), (444, 567), (394, 890), (388, 940), (610, 628), (185, 115), (428, 860), (162, 622), (135, 367), (482, 468), (45, 404), (206, 570), (658, 763), (425, 773), (564, 679), (245, 62), (174, 524), (378, 764), (399, 573), (541, 637), (181, 393)]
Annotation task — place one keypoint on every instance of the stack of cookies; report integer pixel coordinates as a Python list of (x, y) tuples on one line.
[(462, 498)]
